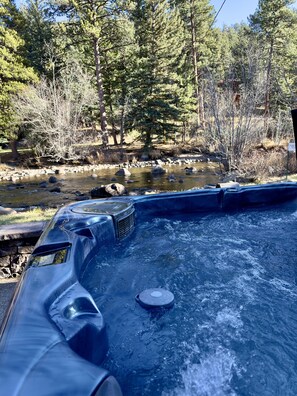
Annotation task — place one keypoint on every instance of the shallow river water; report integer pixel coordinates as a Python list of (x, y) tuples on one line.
[(29, 192)]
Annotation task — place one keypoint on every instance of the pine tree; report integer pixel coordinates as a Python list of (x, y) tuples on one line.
[(36, 31), (119, 60), (91, 16), (198, 17), (14, 74), (157, 106), (275, 23)]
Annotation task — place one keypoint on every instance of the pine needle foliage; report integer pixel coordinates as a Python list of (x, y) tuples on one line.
[(14, 73), (158, 31)]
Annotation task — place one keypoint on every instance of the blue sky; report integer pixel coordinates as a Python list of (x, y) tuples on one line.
[(234, 11)]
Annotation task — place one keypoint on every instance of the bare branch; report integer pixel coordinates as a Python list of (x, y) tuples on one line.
[(55, 112)]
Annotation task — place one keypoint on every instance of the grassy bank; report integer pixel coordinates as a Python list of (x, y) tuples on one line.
[(28, 216)]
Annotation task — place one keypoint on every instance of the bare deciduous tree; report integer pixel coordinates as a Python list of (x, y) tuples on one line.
[(232, 121), (53, 112)]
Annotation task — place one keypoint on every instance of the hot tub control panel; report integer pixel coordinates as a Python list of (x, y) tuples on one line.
[(123, 214)]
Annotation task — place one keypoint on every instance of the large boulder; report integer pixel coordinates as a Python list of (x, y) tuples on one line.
[(43, 184), (190, 170), (52, 179), (109, 190), (123, 172), (6, 211), (158, 170)]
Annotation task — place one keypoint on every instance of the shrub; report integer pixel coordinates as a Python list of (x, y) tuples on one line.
[(53, 112)]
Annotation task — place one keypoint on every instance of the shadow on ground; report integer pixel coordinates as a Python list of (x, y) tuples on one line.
[(6, 291)]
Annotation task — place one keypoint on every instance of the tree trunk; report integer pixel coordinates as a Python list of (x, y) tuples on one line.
[(113, 127), (267, 88), (195, 63), (201, 104), (148, 140), (103, 121), (114, 135), (184, 131), (14, 149), (122, 130)]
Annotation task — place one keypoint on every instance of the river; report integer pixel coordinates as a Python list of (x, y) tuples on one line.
[(28, 192)]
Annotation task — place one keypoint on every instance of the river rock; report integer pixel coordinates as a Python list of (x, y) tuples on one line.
[(171, 178), (82, 197), (190, 170), (11, 187), (144, 157), (5, 273), (159, 162), (43, 184), (52, 179), (123, 172), (228, 185), (158, 170), (141, 191), (209, 186), (5, 261), (6, 211), (16, 186), (109, 190), (56, 190)]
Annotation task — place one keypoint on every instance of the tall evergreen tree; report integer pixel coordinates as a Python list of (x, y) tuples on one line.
[(233, 43), (14, 74), (198, 17), (274, 22), (92, 16), (156, 108), (119, 61), (37, 33)]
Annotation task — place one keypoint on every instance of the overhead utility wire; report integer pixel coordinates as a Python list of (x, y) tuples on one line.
[(215, 17), (217, 14)]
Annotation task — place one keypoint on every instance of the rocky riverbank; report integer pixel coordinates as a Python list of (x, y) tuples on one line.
[(15, 174), (16, 245)]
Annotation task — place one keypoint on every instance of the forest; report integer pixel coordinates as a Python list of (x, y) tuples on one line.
[(78, 72)]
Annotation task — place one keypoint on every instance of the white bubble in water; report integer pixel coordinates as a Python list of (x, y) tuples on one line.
[(211, 377), (229, 317)]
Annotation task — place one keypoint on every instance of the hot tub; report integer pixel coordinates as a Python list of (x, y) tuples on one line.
[(76, 324)]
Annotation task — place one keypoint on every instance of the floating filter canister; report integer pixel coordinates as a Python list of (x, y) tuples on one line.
[(155, 298)]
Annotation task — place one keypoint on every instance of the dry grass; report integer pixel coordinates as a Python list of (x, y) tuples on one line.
[(28, 216), (271, 163), (155, 154), (269, 145), (113, 157), (3, 167)]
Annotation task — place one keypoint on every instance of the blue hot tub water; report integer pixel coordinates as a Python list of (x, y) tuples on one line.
[(232, 330), (227, 255)]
